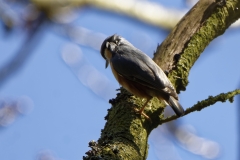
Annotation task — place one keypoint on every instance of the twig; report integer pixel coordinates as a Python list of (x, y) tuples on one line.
[(223, 97)]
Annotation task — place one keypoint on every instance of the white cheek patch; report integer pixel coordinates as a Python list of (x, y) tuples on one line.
[(107, 44)]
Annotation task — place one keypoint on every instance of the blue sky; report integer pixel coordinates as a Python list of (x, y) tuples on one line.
[(65, 113)]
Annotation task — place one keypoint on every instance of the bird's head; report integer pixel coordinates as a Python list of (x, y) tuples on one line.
[(109, 47)]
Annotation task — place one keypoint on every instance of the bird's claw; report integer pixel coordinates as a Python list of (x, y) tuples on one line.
[(142, 113)]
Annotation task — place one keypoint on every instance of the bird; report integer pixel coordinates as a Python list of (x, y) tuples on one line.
[(138, 73)]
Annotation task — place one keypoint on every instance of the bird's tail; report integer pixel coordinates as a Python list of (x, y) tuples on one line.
[(176, 106)]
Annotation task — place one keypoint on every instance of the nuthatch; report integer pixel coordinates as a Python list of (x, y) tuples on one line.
[(138, 73)]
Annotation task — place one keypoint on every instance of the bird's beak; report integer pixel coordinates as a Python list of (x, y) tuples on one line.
[(107, 63)]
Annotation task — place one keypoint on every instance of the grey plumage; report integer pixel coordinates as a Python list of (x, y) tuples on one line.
[(134, 65)]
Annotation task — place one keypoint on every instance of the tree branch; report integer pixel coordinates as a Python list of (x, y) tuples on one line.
[(181, 49), (177, 54), (167, 18), (223, 97), (24, 52)]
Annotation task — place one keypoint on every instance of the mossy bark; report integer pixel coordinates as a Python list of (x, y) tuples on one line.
[(176, 55), (125, 134)]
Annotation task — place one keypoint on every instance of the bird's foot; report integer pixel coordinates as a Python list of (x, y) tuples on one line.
[(142, 113)]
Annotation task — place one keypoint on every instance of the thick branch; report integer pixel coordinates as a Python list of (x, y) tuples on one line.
[(167, 18), (206, 20)]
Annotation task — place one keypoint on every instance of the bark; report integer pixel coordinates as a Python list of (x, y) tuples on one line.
[(125, 134)]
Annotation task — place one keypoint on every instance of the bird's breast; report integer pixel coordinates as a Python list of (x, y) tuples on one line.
[(131, 86)]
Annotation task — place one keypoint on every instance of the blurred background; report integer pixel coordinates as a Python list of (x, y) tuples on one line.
[(54, 88)]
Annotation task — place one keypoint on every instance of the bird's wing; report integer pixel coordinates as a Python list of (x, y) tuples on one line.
[(136, 66)]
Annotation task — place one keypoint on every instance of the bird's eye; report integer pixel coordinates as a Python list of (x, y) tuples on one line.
[(117, 42)]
